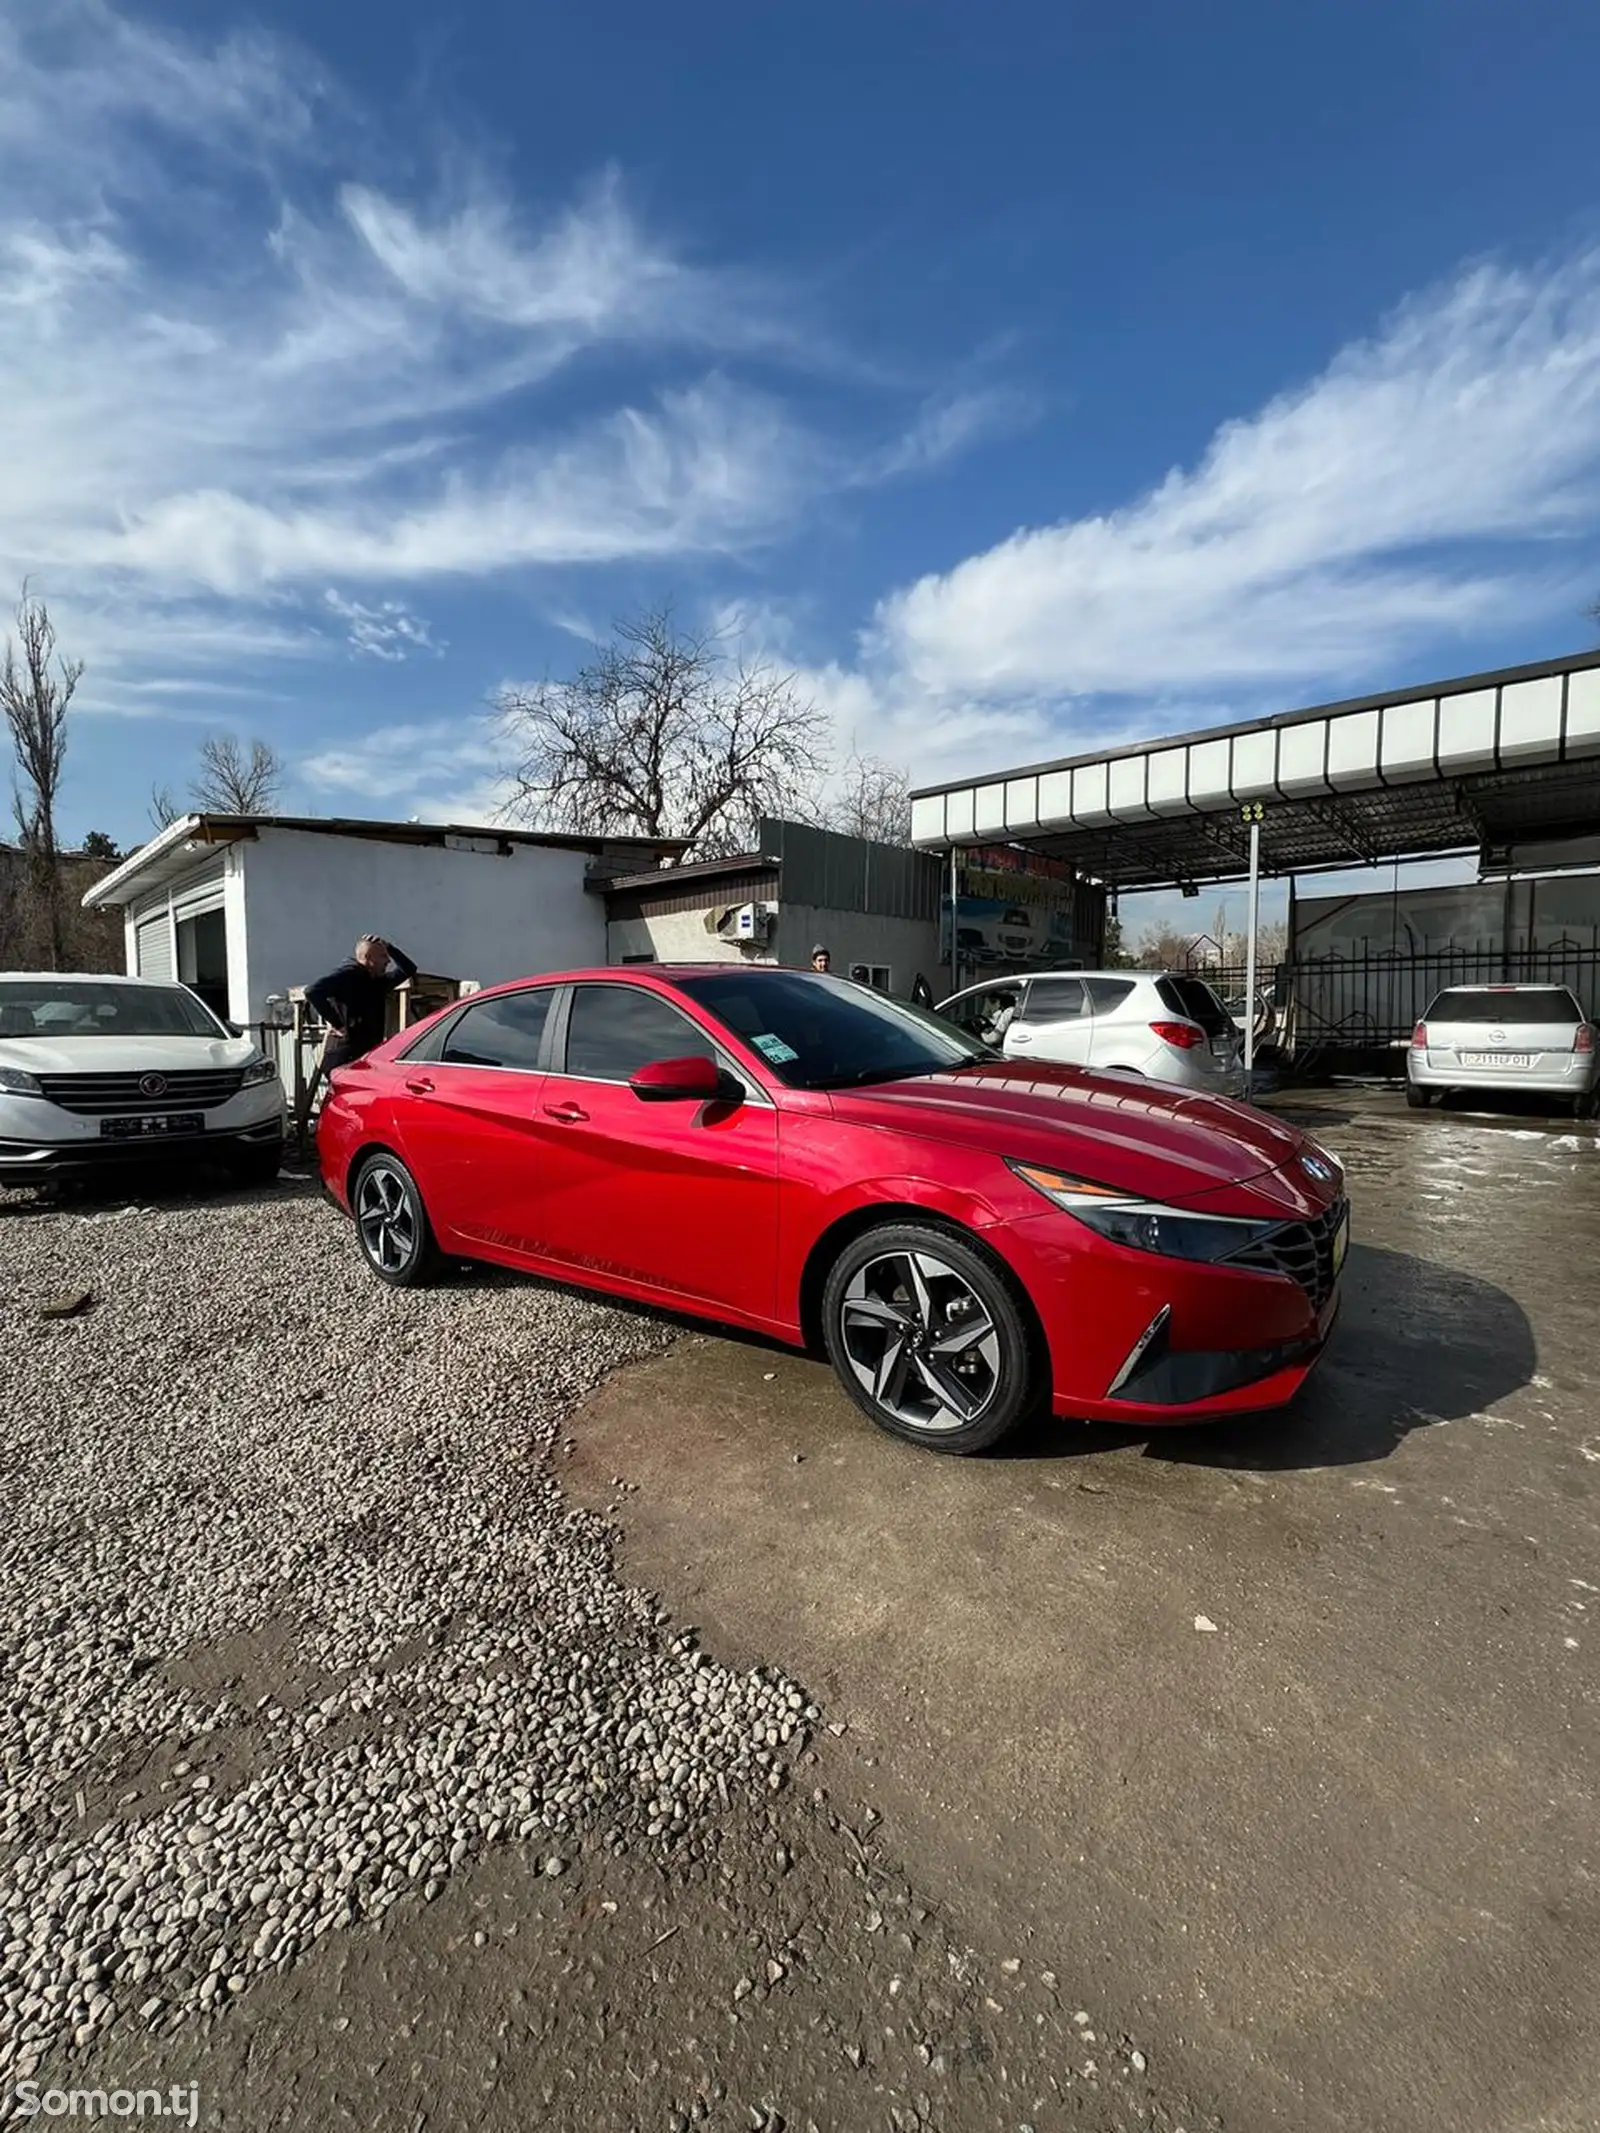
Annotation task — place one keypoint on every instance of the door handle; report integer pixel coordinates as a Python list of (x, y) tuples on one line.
[(566, 1114), (419, 1085)]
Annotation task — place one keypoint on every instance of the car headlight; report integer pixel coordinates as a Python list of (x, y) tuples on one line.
[(13, 1082), (259, 1069), (1145, 1225)]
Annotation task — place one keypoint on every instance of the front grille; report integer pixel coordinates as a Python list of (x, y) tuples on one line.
[(187, 1089), (1302, 1250)]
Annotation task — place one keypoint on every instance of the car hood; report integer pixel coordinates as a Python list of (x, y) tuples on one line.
[(123, 1055), (1142, 1137)]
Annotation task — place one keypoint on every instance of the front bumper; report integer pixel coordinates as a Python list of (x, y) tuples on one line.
[(39, 1139), (1138, 1338)]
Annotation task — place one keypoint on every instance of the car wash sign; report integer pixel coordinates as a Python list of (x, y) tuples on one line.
[(1020, 911)]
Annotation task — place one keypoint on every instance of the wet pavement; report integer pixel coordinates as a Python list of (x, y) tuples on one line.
[(1281, 1737)]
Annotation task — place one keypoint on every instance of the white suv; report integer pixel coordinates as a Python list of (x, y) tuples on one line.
[(1163, 1024), (97, 1070)]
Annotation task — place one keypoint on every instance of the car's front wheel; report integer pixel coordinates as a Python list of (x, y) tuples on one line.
[(929, 1340), (392, 1224)]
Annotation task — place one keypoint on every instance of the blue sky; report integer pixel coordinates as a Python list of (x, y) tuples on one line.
[(1024, 377)]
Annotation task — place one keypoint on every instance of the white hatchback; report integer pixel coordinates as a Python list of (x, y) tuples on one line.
[(1533, 1038), (1166, 1025), (98, 1070)]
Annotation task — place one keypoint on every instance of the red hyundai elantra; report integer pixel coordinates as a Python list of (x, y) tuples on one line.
[(970, 1240)]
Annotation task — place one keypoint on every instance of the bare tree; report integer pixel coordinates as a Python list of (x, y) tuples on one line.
[(163, 808), (1163, 948), (661, 735), (36, 686), (873, 800), (229, 782)]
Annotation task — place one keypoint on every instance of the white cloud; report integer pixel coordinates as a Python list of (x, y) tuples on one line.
[(950, 424), (441, 770), (216, 399), (1322, 536), (388, 631)]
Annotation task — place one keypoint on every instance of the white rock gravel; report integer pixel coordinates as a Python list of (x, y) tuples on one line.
[(294, 1620)]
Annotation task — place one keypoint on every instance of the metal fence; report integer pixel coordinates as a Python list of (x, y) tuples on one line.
[(1369, 1001)]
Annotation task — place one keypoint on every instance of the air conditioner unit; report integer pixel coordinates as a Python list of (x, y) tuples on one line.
[(745, 922)]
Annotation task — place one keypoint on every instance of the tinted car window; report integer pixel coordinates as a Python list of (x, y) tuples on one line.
[(1196, 1002), (1107, 993), (1054, 999), (503, 1032), (823, 1033), (616, 1029), (57, 1007), (1541, 1004)]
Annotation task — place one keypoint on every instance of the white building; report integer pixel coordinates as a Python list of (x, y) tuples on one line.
[(247, 907)]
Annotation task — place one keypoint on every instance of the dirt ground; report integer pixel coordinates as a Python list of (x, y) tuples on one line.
[(1333, 1862), (1242, 1778)]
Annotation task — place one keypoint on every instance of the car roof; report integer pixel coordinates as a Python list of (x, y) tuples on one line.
[(88, 977), (1525, 985), (649, 974)]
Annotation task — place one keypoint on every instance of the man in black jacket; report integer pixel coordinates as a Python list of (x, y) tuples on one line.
[(353, 999)]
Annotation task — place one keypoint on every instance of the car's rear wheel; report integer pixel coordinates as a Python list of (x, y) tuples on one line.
[(928, 1338), (396, 1237), (1587, 1105), (1418, 1099)]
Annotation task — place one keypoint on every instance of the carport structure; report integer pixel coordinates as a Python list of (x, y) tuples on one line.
[(1504, 764)]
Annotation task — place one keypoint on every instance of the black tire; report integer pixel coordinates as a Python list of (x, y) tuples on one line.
[(1418, 1099), (1587, 1105), (939, 1287), (256, 1166), (392, 1226)]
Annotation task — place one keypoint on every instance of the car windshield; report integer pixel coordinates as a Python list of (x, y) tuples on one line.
[(78, 1007), (1498, 1004), (824, 1033)]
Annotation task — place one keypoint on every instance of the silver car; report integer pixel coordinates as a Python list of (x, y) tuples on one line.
[(1162, 1024), (1535, 1038)]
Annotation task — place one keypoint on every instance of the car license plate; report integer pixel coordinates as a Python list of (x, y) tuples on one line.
[(1497, 1059), (152, 1126)]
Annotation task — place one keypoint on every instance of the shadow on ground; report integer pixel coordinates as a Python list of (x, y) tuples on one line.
[(1417, 1344)]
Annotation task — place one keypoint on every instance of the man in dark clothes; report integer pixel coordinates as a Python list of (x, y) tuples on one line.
[(353, 999)]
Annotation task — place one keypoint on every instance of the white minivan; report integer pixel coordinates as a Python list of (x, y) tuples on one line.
[(98, 1070), (1165, 1025)]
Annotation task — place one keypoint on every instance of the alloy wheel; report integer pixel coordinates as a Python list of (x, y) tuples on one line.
[(386, 1219), (920, 1341)]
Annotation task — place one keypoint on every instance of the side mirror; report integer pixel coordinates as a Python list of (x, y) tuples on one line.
[(697, 1079)]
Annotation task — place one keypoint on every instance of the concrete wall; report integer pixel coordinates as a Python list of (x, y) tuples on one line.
[(909, 947), (468, 913), (676, 937)]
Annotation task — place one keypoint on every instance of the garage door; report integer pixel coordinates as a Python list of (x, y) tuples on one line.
[(153, 946)]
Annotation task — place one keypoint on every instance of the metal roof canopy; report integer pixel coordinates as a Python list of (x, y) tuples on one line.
[(1487, 761)]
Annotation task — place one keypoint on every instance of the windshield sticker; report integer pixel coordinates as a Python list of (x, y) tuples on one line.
[(774, 1050)]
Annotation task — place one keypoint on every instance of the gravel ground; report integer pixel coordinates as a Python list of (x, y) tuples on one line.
[(317, 1690)]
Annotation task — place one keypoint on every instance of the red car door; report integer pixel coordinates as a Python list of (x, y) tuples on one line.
[(467, 1110), (678, 1197)]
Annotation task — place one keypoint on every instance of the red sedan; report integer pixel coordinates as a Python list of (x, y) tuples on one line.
[(970, 1240)]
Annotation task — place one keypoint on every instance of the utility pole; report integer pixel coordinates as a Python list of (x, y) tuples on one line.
[(1253, 814)]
